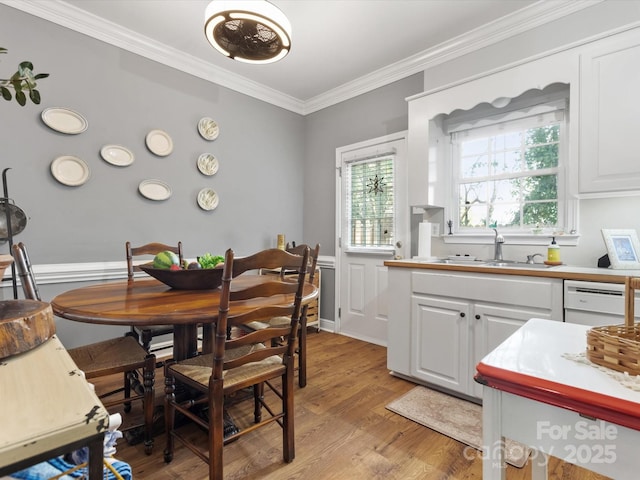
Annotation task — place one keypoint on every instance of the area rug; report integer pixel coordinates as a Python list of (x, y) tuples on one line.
[(453, 417)]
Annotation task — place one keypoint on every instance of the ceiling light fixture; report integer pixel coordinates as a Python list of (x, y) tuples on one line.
[(252, 31)]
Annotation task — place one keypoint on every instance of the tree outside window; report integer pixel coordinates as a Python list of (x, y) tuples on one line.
[(510, 179)]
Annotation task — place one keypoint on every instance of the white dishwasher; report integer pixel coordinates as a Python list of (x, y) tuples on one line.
[(595, 304)]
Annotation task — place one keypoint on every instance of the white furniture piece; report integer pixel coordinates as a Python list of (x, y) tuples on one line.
[(48, 409), (556, 405), (441, 323)]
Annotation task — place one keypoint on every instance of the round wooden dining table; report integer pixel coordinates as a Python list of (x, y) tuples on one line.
[(145, 302)]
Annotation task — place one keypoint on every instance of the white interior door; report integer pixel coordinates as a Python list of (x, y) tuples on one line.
[(373, 226)]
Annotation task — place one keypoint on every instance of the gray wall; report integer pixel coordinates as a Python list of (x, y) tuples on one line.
[(124, 96)]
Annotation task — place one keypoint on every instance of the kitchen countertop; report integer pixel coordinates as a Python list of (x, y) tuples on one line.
[(565, 272)]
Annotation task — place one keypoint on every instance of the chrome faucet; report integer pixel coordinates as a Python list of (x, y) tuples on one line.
[(499, 240), (530, 258)]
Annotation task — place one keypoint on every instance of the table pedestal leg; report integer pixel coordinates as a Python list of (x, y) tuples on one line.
[(185, 341)]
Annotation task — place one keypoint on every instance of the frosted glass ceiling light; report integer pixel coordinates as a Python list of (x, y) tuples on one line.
[(252, 31)]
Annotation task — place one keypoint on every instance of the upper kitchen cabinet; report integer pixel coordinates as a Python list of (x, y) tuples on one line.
[(610, 114)]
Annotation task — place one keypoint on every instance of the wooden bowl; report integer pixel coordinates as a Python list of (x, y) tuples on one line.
[(24, 324), (203, 279)]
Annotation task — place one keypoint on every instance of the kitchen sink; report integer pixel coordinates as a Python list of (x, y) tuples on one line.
[(514, 264), (492, 263), (461, 261)]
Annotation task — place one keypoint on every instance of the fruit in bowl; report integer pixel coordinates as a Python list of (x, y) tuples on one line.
[(204, 274), (181, 279), (166, 260)]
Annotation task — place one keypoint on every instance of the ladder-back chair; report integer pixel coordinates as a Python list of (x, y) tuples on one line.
[(253, 360), (146, 334)]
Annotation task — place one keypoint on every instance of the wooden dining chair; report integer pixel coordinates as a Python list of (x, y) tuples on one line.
[(301, 350), (253, 360), (146, 334), (117, 355), (304, 319)]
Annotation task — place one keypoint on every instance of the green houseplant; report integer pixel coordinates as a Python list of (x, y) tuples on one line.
[(21, 82)]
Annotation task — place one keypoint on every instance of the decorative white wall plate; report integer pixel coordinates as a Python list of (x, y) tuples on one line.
[(154, 189), (207, 199), (208, 128), (69, 170), (64, 120), (117, 155), (159, 143), (207, 164)]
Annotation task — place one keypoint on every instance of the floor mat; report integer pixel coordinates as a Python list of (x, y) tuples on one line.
[(453, 417)]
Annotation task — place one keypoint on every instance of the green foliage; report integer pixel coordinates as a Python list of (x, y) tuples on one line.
[(209, 261), (542, 187), (22, 82), (535, 187)]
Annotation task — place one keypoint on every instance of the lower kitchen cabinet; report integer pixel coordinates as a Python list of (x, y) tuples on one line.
[(442, 324)]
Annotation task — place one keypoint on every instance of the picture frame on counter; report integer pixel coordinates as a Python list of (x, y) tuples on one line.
[(623, 248)]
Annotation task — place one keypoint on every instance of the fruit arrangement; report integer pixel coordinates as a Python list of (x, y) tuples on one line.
[(204, 273), (170, 261)]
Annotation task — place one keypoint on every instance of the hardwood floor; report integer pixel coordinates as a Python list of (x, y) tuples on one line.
[(343, 431)]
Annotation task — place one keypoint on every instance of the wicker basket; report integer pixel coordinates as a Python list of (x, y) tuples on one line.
[(618, 346)]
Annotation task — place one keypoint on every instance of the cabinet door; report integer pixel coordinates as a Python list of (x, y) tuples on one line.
[(609, 120), (440, 342), (491, 325)]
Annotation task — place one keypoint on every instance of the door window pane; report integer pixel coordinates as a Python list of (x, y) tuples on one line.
[(370, 203)]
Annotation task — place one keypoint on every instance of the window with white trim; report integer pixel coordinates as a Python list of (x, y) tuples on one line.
[(508, 170), (370, 202)]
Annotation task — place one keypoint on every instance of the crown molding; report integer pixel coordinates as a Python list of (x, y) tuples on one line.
[(518, 22), (68, 16)]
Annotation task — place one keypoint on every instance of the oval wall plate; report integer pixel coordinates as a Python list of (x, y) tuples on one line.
[(64, 120), (117, 155), (154, 189)]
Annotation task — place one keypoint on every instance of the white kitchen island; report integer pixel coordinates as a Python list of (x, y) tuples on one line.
[(556, 405)]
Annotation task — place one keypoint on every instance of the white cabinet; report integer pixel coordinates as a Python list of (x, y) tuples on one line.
[(444, 323), (493, 324), (609, 114), (439, 346)]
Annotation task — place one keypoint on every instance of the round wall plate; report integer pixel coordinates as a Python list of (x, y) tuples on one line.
[(207, 164), (208, 128), (208, 199), (69, 170), (159, 143)]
